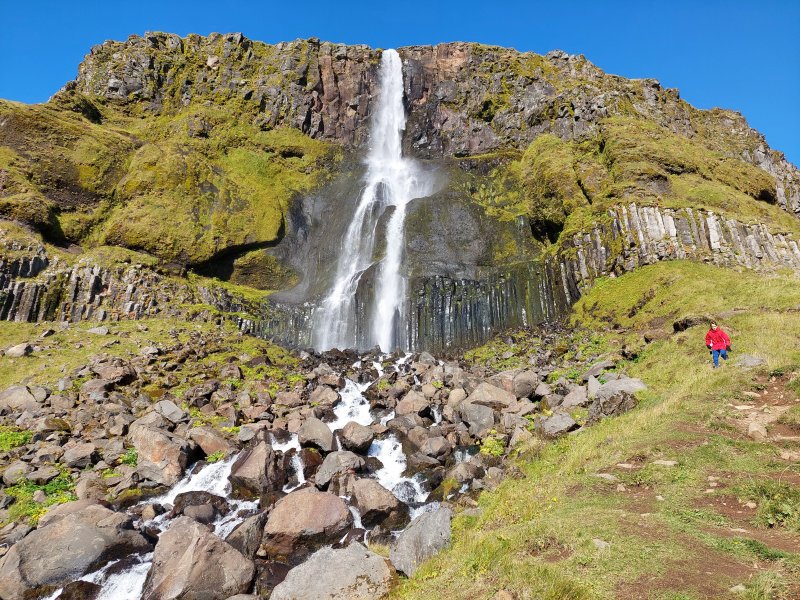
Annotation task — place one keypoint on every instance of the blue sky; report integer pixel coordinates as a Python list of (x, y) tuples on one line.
[(742, 55)]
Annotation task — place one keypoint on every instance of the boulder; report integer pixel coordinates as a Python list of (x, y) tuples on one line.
[(246, 537), (596, 369), (162, 457), (210, 441), (524, 383), (577, 397), (15, 471), (555, 425), (480, 418), (356, 437), (378, 505), (336, 463), (80, 456), (353, 572), (323, 396), (306, 518), (614, 398), (413, 403), (623, 385), (191, 562), (257, 470), (427, 535), (65, 549), (17, 399), (316, 434), (290, 399), (19, 350), (170, 411), (492, 396)]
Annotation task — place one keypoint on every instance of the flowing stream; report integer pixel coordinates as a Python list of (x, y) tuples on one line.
[(391, 180), (124, 579)]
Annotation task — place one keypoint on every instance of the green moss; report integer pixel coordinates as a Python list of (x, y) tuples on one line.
[(130, 457), (57, 491), (215, 457)]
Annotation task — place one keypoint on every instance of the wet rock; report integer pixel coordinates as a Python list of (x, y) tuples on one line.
[(352, 572), (257, 470), (246, 538), (191, 562), (19, 350), (492, 396), (270, 574), (427, 535), (378, 505), (555, 425), (211, 505), (323, 396), (66, 548), (306, 518), (162, 457), (80, 590), (316, 434), (17, 399), (336, 463), (356, 437)]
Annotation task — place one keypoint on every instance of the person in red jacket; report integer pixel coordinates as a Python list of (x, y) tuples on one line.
[(718, 342)]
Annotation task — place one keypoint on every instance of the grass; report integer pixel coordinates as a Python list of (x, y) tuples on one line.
[(533, 535)]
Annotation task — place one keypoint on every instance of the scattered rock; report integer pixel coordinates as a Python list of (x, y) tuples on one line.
[(19, 350), (316, 434), (356, 437), (757, 431), (336, 463), (353, 572), (425, 537)]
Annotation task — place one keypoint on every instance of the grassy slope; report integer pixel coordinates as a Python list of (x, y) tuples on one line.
[(534, 535)]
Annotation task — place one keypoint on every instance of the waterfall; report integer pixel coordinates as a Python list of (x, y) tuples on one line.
[(390, 181)]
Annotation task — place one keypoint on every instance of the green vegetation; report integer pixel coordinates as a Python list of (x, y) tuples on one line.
[(533, 536), (215, 456), (12, 437), (492, 445), (131, 457), (57, 491)]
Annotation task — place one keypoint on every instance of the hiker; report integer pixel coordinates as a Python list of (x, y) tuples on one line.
[(718, 343)]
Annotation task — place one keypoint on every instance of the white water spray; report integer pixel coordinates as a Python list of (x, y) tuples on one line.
[(390, 180)]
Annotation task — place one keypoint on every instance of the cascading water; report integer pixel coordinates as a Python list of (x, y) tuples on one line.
[(391, 180)]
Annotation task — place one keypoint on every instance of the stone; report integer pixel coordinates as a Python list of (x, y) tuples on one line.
[(15, 471), (425, 537), (413, 403), (525, 383), (577, 397), (306, 518), (101, 330), (66, 548), (80, 456), (666, 463), (353, 572), (18, 399), (555, 425), (170, 411), (246, 537), (596, 369), (356, 437), (624, 385), (80, 590), (480, 418), (601, 545), (492, 396), (289, 399), (323, 396), (257, 470), (336, 463), (542, 390), (191, 562), (757, 431), (749, 361), (316, 434), (19, 350), (592, 387), (210, 441), (378, 505), (162, 457)]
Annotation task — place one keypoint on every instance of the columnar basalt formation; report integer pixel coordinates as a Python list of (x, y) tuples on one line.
[(633, 236)]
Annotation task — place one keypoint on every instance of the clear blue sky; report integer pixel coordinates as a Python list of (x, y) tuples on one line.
[(742, 55)]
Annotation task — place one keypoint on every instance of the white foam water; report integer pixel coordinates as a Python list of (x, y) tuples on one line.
[(391, 180)]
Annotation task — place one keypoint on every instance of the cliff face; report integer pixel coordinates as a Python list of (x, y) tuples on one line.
[(240, 160), (463, 99)]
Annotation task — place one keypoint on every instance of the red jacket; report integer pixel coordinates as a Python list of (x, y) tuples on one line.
[(718, 340)]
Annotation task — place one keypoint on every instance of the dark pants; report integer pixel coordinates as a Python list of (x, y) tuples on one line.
[(716, 354)]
